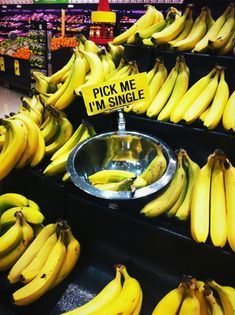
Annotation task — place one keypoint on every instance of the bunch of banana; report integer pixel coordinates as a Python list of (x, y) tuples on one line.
[(47, 262), (59, 158), (115, 297), (152, 16), (14, 241), (212, 206), (196, 297), (175, 200)]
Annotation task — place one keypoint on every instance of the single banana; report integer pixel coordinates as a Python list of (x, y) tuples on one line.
[(127, 300), (32, 270), (50, 130), (200, 293), (154, 170), (107, 295), (72, 255), (192, 172), (168, 197), (66, 177), (31, 251), (123, 185), (226, 295), (45, 278), (189, 97), (180, 88), (202, 45), (190, 304), (203, 115), (228, 48), (33, 205), (151, 73), (109, 176), (229, 179), (200, 204), (64, 134), (10, 200), (15, 148), (173, 30), (202, 101), (7, 261), (90, 46), (148, 32), (228, 118), (11, 237), (216, 309), (164, 93), (170, 303), (40, 151)]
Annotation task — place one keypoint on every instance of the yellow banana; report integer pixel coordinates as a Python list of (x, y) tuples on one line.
[(10, 200), (200, 293), (189, 97), (204, 114), (30, 252), (7, 261), (180, 88), (165, 201), (164, 93), (107, 295), (66, 177), (32, 270), (228, 48), (149, 31), (170, 303), (202, 101), (190, 304), (192, 172), (108, 176), (123, 185), (226, 295), (200, 204), (50, 130), (15, 148), (33, 205), (40, 151), (216, 309), (228, 119), (229, 179), (45, 278)]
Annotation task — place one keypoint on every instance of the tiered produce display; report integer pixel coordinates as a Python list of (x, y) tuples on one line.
[(38, 256)]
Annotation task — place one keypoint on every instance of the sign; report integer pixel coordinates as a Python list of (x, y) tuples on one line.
[(17, 67), (115, 94), (2, 64)]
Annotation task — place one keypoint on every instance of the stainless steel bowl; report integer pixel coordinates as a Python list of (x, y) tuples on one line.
[(125, 150)]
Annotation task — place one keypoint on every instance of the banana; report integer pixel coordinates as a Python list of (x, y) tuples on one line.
[(166, 199), (107, 295), (127, 300), (190, 304), (15, 148), (50, 130), (10, 200), (147, 42), (170, 303), (31, 251), (202, 45), (226, 295), (33, 205), (200, 294), (66, 177), (116, 52), (210, 20), (189, 97), (97, 71), (111, 74), (216, 309), (228, 48), (200, 204), (228, 118), (56, 77), (202, 101), (186, 30), (72, 255), (32, 270), (7, 261), (31, 112), (138, 308), (77, 78), (164, 93), (173, 30), (45, 278), (32, 140), (143, 22), (63, 135), (192, 172), (109, 176), (222, 37), (41, 85), (154, 87), (204, 114), (123, 185), (180, 88), (151, 73), (195, 35), (229, 179), (149, 31), (108, 57), (11, 237), (90, 46), (40, 151), (154, 170), (30, 215)]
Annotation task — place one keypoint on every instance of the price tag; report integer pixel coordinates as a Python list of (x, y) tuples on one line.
[(2, 64), (17, 67), (115, 94)]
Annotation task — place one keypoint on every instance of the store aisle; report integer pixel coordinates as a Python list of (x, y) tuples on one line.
[(9, 100)]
